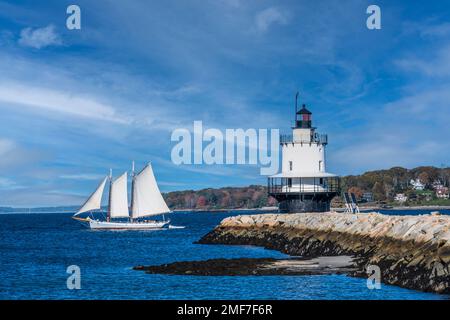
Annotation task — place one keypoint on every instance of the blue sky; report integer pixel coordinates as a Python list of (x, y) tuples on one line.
[(75, 103)]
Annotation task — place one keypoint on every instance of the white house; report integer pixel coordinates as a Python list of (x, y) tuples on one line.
[(417, 185), (400, 197), (442, 192)]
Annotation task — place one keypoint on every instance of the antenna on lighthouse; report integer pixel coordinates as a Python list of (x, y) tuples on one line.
[(296, 108)]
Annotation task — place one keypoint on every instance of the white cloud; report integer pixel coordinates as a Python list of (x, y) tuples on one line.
[(6, 146), (8, 184), (382, 154), (38, 197), (59, 101), (13, 155), (40, 37), (438, 65), (5, 182), (439, 30), (85, 176), (427, 29), (268, 17), (423, 105), (408, 132), (231, 3), (172, 184), (10, 154)]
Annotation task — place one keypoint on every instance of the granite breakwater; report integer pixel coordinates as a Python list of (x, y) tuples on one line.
[(410, 251)]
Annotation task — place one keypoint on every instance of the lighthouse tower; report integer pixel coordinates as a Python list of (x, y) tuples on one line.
[(303, 185)]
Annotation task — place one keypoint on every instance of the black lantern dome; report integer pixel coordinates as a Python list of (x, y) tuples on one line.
[(303, 118)]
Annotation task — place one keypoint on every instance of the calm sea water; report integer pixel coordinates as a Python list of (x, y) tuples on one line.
[(35, 250)]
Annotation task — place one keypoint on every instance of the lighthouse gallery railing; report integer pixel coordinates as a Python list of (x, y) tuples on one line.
[(316, 138), (298, 185)]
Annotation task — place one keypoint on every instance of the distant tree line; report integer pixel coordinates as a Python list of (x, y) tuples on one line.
[(383, 184), (253, 196)]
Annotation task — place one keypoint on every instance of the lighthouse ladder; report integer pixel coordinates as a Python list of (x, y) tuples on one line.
[(350, 203), (354, 203)]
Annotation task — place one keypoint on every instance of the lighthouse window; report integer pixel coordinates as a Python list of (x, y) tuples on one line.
[(290, 165), (289, 182), (321, 181)]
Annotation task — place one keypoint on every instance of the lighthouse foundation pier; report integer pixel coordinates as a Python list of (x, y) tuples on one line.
[(297, 194), (304, 203), (408, 251)]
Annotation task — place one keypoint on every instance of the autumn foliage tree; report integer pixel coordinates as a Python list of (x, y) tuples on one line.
[(384, 184), (357, 191)]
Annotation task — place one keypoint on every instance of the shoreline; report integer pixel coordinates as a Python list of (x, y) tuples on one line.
[(407, 208), (410, 251), (293, 266), (264, 209), (275, 209)]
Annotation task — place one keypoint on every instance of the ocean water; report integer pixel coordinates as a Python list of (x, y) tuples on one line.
[(36, 249)]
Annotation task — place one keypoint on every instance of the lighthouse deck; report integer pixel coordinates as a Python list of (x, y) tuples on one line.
[(303, 185), (316, 138)]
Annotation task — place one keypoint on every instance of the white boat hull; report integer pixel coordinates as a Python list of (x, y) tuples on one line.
[(146, 225)]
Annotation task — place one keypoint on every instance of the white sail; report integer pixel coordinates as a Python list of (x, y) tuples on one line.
[(147, 199), (119, 198), (95, 200)]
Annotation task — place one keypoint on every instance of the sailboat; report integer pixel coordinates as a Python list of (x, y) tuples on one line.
[(146, 201)]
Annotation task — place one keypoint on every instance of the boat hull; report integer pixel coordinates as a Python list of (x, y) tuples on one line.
[(147, 225)]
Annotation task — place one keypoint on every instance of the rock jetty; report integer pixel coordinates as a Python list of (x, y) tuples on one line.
[(411, 251), (255, 267)]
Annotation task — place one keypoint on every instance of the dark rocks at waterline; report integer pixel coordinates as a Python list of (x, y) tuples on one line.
[(411, 251), (255, 267)]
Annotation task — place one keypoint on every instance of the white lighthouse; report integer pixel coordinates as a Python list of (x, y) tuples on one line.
[(303, 185)]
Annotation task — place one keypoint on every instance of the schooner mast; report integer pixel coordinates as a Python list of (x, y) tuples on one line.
[(132, 190), (108, 216)]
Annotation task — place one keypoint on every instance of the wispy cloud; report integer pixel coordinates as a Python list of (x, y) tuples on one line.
[(119, 87), (60, 102), (408, 131), (8, 184), (171, 184), (435, 65), (40, 37), (436, 30), (384, 154), (268, 17), (6, 145), (12, 155), (85, 176), (429, 28)]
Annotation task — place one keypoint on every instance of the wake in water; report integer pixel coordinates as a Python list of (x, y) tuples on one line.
[(176, 227)]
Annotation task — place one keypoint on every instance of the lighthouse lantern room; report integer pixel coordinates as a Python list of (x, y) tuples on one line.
[(303, 185)]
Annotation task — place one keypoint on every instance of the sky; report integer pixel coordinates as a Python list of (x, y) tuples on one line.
[(74, 103)]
